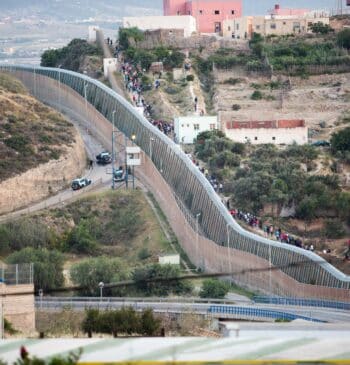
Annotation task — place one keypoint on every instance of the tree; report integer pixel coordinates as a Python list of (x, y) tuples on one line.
[(129, 34), (343, 38), (340, 141), (213, 288), (320, 28), (91, 321), (90, 272), (4, 241), (149, 325), (162, 287), (80, 241), (48, 266)]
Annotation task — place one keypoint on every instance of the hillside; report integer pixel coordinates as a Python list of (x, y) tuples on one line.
[(113, 228), (36, 143), (30, 133)]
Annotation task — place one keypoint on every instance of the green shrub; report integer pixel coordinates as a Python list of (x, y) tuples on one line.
[(144, 253), (257, 95), (90, 272), (69, 57), (189, 78), (334, 229), (236, 107), (17, 142), (161, 286), (233, 81), (213, 288), (343, 38), (80, 241), (340, 141)]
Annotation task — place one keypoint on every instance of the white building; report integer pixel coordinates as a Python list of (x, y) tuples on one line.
[(169, 259), (187, 23), (264, 132), (188, 128)]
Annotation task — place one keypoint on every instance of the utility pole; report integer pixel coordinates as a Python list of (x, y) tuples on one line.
[(197, 237), (113, 153)]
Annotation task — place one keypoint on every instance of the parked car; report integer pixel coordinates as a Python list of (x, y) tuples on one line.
[(80, 183), (321, 143), (119, 175), (104, 158)]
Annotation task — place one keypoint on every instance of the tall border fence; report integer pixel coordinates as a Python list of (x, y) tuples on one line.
[(220, 245), (20, 274)]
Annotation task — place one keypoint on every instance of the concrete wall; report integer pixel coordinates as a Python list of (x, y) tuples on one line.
[(188, 128), (187, 23), (18, 304)]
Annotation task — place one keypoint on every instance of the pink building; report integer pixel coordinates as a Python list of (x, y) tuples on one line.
[(278, 11), (209, 14)]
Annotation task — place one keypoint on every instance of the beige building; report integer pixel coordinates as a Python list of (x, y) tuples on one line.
[(187, 23), (243, 28)]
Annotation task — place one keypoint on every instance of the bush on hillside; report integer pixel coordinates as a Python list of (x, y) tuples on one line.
[(160, 287), (215, 289), (48, 266), (90, 272), (343, 38), (71, 56)]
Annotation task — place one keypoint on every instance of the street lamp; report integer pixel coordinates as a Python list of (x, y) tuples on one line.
[(197, 248), (133, 137), (85, 97), (150, 147), (270, 266), (113, 154), (228, 247), (101, 286)]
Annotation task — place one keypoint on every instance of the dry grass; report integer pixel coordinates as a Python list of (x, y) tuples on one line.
[(30, 132)]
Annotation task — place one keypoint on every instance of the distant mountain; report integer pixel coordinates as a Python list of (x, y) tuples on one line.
[(81, 9)]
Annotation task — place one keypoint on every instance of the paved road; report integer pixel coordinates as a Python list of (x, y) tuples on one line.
[(323, 314), (100, 179)]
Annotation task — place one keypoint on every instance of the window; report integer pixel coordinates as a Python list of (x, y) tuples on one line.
[(237, 26), (188, 125), (274, 138), (229, 28), (212, 127), (255, 138), (284, 23), (196, 127), (232, 12), (217, 12), (273, 25), (200, 12), (257, 27), (183, 125)]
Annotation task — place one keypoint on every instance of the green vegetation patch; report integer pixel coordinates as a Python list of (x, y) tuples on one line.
[(256, 176), (71, 56)]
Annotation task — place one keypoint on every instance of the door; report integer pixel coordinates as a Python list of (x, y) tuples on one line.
[(217, 27)]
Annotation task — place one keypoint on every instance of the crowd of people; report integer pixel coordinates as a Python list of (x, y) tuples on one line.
[(268, 230), (133, 84)]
